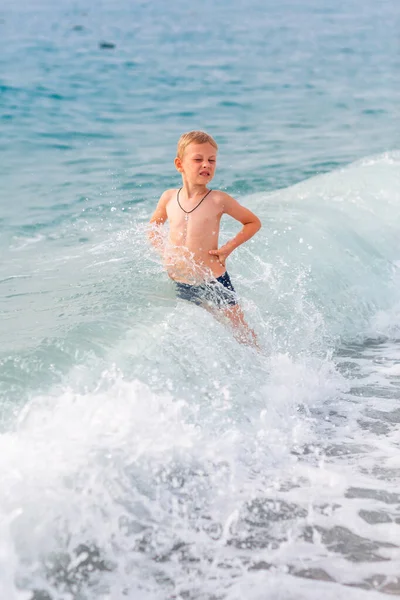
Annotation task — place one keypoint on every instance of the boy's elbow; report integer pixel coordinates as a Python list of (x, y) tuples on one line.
[(258, 224)]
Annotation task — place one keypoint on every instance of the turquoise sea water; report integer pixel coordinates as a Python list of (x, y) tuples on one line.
[(145, 454)]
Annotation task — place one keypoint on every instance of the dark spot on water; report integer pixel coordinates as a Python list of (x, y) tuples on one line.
[(374, 427), (389, 417), (213, 529), (59, 146), (313, 573), (260, 566), (308, 534), (40, 595), (67, 573), (381, 495), (374, 391), (55, 96), (263, 524), (106, 45), (232, 104), (305, 450), (345, 449), (78, 28), (351, 369), (178, 547), (357, 350), (328, 165), (336, 415), (374, 111), (383, 583), (243, 128), (374, 517), (296, 125), (343, 541), (373, 342), (261, 512)]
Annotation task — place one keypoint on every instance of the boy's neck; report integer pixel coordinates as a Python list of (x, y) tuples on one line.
[(193, 190)]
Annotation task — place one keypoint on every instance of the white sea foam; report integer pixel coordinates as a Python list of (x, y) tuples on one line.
[(164, 459)]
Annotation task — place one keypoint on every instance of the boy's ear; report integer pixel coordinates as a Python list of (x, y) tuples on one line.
[(178, 164)]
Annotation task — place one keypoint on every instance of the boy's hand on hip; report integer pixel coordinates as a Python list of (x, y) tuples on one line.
[(221, 254)]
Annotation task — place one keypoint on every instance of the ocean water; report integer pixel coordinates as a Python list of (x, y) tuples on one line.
[(144, 453)]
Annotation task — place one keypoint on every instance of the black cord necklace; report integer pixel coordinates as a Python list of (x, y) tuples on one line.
[(187, 212)]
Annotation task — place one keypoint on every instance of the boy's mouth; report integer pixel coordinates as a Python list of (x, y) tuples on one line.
[(205, 173)]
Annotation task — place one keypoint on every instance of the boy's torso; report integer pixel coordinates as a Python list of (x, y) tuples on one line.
[(191, 236)]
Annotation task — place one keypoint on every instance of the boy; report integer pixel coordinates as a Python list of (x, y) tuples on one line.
[(192, 256)]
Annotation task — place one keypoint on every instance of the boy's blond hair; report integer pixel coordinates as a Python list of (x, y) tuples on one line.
[(199, 137)]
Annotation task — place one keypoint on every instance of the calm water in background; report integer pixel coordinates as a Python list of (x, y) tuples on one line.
[(143, 453)]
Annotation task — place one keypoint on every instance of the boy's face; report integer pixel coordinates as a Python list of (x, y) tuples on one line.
[(198, 163)]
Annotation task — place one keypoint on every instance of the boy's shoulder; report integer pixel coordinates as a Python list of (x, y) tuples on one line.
[(168, 194), (220, 194), (222, 198)]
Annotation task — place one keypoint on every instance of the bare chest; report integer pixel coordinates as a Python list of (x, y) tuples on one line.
[(194, 220)]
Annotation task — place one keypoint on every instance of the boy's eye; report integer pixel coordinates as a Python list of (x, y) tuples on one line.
[(212, 160)]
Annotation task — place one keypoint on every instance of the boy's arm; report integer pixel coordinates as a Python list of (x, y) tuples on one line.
[(251, 224), (158, 217)]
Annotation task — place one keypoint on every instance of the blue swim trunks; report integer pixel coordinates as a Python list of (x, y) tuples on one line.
[(219, 292)]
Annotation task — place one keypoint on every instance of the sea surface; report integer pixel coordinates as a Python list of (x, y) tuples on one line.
[(144, 453)]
